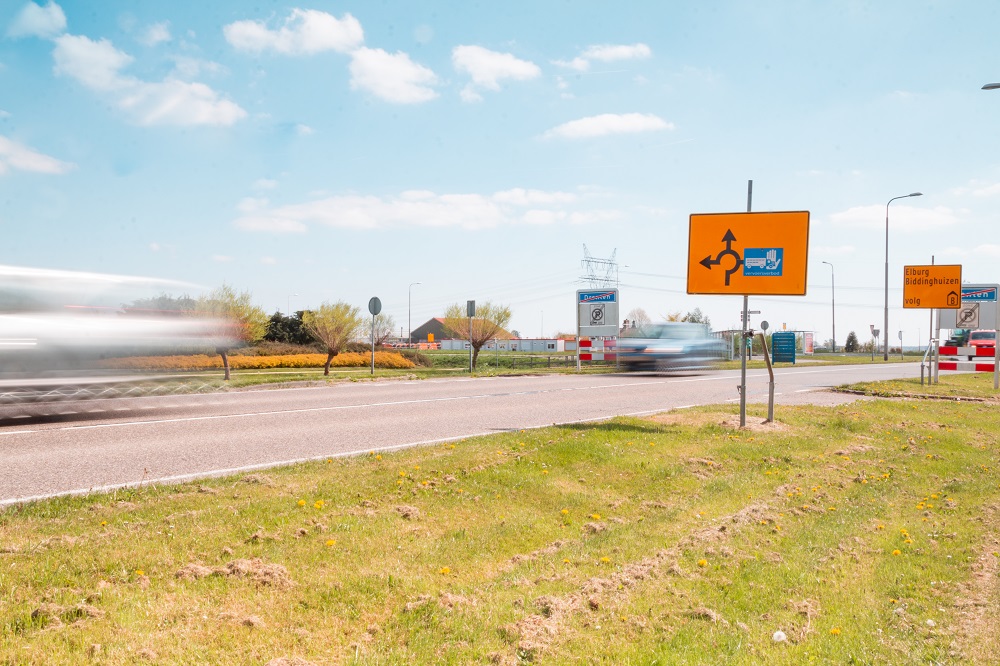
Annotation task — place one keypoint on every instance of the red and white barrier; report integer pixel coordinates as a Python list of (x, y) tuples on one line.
[(978, 365), (597, 350)]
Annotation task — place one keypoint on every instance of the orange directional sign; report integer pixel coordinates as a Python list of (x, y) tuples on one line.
[(748, 253), (936, 286)]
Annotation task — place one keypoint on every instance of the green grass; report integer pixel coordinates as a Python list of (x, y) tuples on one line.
[(976, 386), (675, 539)]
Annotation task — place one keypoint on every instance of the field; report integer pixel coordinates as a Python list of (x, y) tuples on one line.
[(863, 534)]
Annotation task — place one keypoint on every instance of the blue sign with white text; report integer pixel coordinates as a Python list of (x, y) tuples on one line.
[(762, 261), (979, 294), (597, 297)]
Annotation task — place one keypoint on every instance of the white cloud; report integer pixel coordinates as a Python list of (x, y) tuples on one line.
[(522, 197), (304, 130), (901, 218), (32, 20), (156, 34), (222, 258), (97, 65), (14, 155), (186, 67), (270, 223), (605, 53), (251, 204), (265, 184), (391, 77), (155, 247), (612, 52), (268, 261), (488, 68), (306, 31), (978, 189), (4, 114), (609, 123), (469, 94), (423, 209), (987, 250)]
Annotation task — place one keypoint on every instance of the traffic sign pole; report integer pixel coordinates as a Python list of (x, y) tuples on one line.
[(743, 338)]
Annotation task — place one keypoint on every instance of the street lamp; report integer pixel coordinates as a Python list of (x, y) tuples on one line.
[(885, 328), (409, 301), (833, 306)]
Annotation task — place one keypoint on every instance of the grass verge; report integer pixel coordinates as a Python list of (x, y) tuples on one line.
[(971, 386), (865, 534)]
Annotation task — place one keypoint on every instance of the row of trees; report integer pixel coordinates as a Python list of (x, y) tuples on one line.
[(332, 326)]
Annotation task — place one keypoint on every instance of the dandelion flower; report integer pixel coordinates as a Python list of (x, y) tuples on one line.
[(331, 542), (444, 571), (301, 502), (545, 471), (319, 504), (595, 516), (402, 474), (140, 572), (103, 523), (378, 457), (835, 631), (880, 527), (329, 460), (605, 559), (565, 560), (897, 552), (564, 512), (702, 563)]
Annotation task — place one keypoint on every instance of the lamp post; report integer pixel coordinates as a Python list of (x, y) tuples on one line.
[(409, 301), (833, 306), (885, 328)]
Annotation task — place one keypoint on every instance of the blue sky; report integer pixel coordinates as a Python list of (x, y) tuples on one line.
[(338, 151)]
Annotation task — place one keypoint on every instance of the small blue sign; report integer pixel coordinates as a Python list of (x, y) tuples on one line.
[(978, 295), (597, 297), (762, 261)]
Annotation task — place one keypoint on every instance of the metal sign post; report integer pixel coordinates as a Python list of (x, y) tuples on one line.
[(374, 306), (470, 308), (746, 319)]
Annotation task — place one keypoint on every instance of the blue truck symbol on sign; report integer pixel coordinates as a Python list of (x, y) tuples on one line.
[(762, 261)]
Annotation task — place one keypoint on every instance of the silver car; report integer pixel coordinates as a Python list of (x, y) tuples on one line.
[(671, 347)]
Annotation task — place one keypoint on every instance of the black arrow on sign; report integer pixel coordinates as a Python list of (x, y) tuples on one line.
[(728, 239)]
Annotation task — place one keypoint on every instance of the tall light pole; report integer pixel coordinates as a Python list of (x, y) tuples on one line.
[(885, 328), (409, 301), (833, 305)]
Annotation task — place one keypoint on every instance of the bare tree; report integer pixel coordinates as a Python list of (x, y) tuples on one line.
[(489, 323), (638, 318), (384, 326), (239, 320), (334, 325)]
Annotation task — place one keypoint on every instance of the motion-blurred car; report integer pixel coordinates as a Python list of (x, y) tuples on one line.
[(671, 347)]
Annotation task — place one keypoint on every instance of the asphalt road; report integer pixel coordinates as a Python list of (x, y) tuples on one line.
[(106, 444)]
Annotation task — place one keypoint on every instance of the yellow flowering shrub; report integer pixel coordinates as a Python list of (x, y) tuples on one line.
[(383, 359)]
